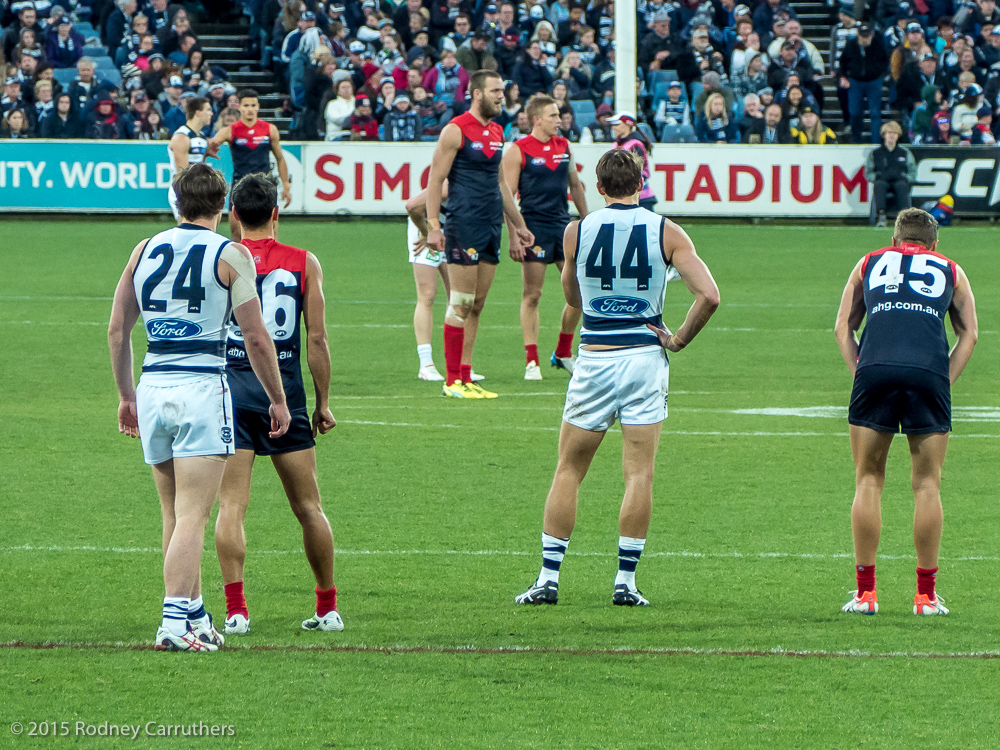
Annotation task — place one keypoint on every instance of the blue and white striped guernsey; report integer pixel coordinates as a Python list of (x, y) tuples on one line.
[(622, 271)]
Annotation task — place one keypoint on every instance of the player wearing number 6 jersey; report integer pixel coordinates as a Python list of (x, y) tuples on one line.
[(902, 382), (290, 284), (616, 272), (185, 282)]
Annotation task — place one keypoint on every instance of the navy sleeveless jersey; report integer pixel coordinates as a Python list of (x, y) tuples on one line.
[(544, 180), (473, 182), (908, 291), (281, 283), (251, 148)]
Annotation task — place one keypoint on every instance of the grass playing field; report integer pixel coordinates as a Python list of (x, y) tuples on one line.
[(436, 508)]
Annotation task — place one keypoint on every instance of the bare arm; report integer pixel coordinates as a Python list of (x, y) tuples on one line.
[(279, 158), (416, 209), (317, 345), (510, 172), (963, 319), (695, 274), (576, 189), (215, 142), (513, 215), (444, 155), (179, 145), (570, 284), (124, 314), (849, 318)]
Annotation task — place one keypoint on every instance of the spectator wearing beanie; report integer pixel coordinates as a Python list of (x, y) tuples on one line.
[(712, 84), (402, 123), (659, 49), (671, 111), (508, 54), (890, 166), (362, 125), (940, 133), (61, 122), (963, 116), (752, 78), (474, 54), (811, 130), (105, 121), (982, 134), (64, 45), (599, 131)]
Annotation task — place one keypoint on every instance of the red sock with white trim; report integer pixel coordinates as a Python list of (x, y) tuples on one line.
[(454, 342), (466, 373), (236, 602), (531, 353), (866, 578), (326, 601), (564, 349), (926, 578)]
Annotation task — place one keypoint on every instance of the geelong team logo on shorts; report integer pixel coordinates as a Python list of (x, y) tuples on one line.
[(226, 433), (619, 305), (171, 328)]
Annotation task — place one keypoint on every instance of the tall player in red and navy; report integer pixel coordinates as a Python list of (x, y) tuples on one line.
[(903, 374), (251, 142), (468, 154), (290, 286), (540, 167)]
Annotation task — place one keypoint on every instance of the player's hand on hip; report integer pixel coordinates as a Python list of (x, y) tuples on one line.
[(280, 419), (128, 419), (666, 338), (418, 246), (435, 240), (323, 421), (525, 237)]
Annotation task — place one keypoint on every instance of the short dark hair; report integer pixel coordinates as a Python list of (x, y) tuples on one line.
[(193, 105), (916, 225), (477, 81), (254, 199), (201, 191), (247, 94), (619, 173)]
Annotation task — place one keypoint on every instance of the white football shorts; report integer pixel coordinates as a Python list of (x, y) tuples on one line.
[(172, 200), (629, 385), (183, 415), (427, 256)]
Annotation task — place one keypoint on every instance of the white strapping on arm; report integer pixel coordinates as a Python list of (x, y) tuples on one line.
[(244, 287)]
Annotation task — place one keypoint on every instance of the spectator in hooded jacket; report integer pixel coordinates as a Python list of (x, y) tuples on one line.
[(61, 122), (106, 121), (402, 123)]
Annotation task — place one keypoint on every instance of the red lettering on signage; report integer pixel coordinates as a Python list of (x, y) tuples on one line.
[(359, 181), (668, 179), (424, 177), (841, 180), (703, 183), (797, 193), (775, 184), (382, 177), (324, 174), (735, 170)]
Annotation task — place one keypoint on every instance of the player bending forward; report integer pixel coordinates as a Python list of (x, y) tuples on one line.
[(468, 155), (618, 278), (290, 284), (902, 379), (540, 166), (185, 282)]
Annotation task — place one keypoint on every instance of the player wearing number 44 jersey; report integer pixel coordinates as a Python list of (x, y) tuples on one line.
[(184, 283), (290, 284), (616, 272), (903, 374)]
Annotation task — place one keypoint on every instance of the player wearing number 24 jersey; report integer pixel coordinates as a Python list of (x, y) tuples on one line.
[(903, 374), (290, 285)]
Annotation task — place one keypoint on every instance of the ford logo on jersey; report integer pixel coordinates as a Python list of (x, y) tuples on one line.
[(171, 328), (624, 306)]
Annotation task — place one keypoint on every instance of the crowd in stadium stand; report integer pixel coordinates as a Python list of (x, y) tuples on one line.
[(710, 71)]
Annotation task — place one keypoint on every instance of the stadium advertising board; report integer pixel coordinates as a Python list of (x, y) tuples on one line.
[(373, 179)]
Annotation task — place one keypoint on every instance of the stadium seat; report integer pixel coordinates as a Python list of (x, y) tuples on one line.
[(678, 134), (646, 131), (64, 76), (660, 76), (584, 112), (97, 50), (103, 62), (696, 88), (112, 76), (85, 29)]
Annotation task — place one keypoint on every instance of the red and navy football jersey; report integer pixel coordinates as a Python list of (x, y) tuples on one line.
[(908, 291), (473, 182), (544, 179), (251, 148), (281, 285)]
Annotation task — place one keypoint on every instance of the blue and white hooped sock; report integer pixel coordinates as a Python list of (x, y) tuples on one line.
[(629, 551), (175, 614), (196, 610), (553, 551)]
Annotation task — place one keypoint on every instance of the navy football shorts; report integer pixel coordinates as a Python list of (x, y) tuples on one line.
[(892, 398), (253, 428), (468, 244), (548, 247)]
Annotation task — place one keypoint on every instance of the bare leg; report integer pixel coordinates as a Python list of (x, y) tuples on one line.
[(640, 443), (533, 275), (426, 278), (297, 471), (570, 319), (484, 281), (443, 270), (163, 478), (576, 450), (870, 449), (196, 482), (234, 497), (927, 453)]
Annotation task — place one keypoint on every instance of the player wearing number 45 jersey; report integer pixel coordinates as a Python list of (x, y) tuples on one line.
[(903, 374), (290, 284), (185, 282), (616, 272)]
